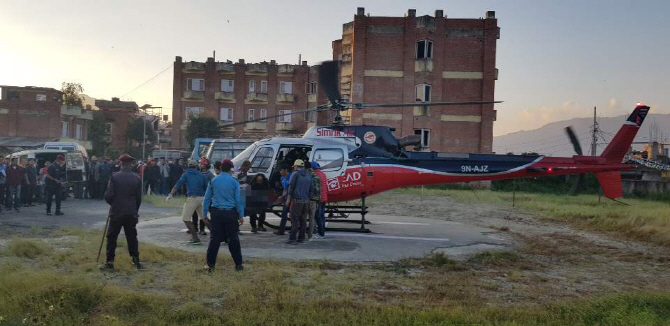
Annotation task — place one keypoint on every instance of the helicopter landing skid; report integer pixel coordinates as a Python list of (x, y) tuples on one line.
[(334, 214)]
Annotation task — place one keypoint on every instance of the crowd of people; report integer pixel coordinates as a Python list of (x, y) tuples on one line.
[(21, 184)]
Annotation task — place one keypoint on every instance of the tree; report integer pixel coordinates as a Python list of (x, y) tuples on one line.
[(96, 133), (136, 135), (201, 127), (72, 94)]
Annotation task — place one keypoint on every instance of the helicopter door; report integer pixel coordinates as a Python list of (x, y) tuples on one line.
[(334, 163)]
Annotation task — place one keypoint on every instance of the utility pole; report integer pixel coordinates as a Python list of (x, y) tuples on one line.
[(594, 134)]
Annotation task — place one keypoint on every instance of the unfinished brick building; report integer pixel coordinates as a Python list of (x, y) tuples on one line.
[(423, 59)]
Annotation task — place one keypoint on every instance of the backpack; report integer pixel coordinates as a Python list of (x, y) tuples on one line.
[(315, 190)]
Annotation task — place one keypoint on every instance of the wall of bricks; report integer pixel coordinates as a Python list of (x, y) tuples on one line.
[(382, 68), (21, 115)]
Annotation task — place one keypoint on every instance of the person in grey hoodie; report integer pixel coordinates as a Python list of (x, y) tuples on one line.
[(298, 199)]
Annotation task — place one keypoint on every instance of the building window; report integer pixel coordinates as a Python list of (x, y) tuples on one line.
[(226, 114), (423, 92), (251, 114), (195, 84), (108, 128), (262, 160), (41, 97), (64, 129), (252, 86), (194, 111), (425, 137), (284, 116), (263, 113), (227, 85), (78, 131), (424, 49), (311, 88), (329, 159), (285, 87), (310, 116), (264, 86)]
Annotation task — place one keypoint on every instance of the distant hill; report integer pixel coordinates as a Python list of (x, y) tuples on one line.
[(551, 138)]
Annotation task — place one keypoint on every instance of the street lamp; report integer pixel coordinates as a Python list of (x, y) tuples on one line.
[(144, 131)]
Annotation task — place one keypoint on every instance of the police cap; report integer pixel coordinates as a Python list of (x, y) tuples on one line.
[(126, 158)]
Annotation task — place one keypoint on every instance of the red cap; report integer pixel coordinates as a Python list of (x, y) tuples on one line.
[(126, 158), (228, 161), (60, 157)]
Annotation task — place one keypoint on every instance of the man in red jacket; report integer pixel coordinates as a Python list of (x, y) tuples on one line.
[(321, 209), (16, 175)]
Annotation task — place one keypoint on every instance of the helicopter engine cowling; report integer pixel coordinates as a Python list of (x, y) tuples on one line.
[(411, 140)]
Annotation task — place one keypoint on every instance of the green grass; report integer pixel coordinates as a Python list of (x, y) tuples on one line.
[(159, 201), (27, 248), (647, 220), (65, 288)]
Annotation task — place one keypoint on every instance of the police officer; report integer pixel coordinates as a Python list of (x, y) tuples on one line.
[(55, 180), (124, 195), (222, 200)]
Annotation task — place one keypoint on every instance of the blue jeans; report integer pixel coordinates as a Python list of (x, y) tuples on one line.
[(284, 219), (165, 186), (224, 224), (321, 219), (15, 194)]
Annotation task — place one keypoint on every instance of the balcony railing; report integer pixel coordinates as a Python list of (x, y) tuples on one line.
[(423, 65), (224, 96), (285, 69), (194, 65), (286, 98), (257, 97), (197, 95), (257, 68), (258, 125), (284, 126), (224, 66)]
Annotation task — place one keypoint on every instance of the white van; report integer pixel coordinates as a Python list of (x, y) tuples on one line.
[(68, 147)]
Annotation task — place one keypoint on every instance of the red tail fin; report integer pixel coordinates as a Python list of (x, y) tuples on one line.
[(619, 145), (610, 182)]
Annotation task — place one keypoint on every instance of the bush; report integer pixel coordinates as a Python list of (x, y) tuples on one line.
[(27, 248)]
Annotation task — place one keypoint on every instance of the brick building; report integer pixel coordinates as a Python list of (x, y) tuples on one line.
[(423, 59), (117, 114), (30, 116), (236, 92)]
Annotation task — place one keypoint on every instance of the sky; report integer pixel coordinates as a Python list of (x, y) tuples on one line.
[(556, 59)]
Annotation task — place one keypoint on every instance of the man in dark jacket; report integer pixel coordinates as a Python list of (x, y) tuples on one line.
[(16, 176), (91, 178), (31, 186), (152, 174), (299, 188), (124, 195), (104, 173), (176, 171), (55, 179)]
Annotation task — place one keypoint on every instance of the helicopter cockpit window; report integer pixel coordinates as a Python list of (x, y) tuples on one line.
[(262, 160), (329, 159)]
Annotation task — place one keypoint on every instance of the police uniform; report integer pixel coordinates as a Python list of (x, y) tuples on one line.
[(124, 195), (53, 188)]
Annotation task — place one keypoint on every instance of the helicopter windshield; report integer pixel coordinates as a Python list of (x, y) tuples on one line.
[(240, 158)]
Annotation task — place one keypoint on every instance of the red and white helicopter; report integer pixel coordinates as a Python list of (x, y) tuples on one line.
[(360, 161)]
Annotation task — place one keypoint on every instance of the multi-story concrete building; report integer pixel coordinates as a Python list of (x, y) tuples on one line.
[(237, 92), (423, 59), (30, 116), (117, 114)]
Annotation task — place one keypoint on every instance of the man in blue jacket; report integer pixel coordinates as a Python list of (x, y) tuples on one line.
[(196, 185), (224, 203), (299, 188)]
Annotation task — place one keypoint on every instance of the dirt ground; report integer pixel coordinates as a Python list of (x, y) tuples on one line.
[(550, 261)]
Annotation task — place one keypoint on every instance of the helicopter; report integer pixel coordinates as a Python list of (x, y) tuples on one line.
[(365, 160)]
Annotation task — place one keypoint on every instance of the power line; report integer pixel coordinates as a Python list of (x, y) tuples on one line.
[(148, 80)]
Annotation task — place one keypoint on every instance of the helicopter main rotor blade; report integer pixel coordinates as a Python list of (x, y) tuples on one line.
[(329, 80), (574, 140), (319, 108), (398, 105)]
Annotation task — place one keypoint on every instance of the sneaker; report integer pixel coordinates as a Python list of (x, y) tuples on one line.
[(239, 267), (292, 242), (318, 237), (194, 242), (59, 213), (48, 213), (208, 269), (188, 231), (262, 229), (278, 232)]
